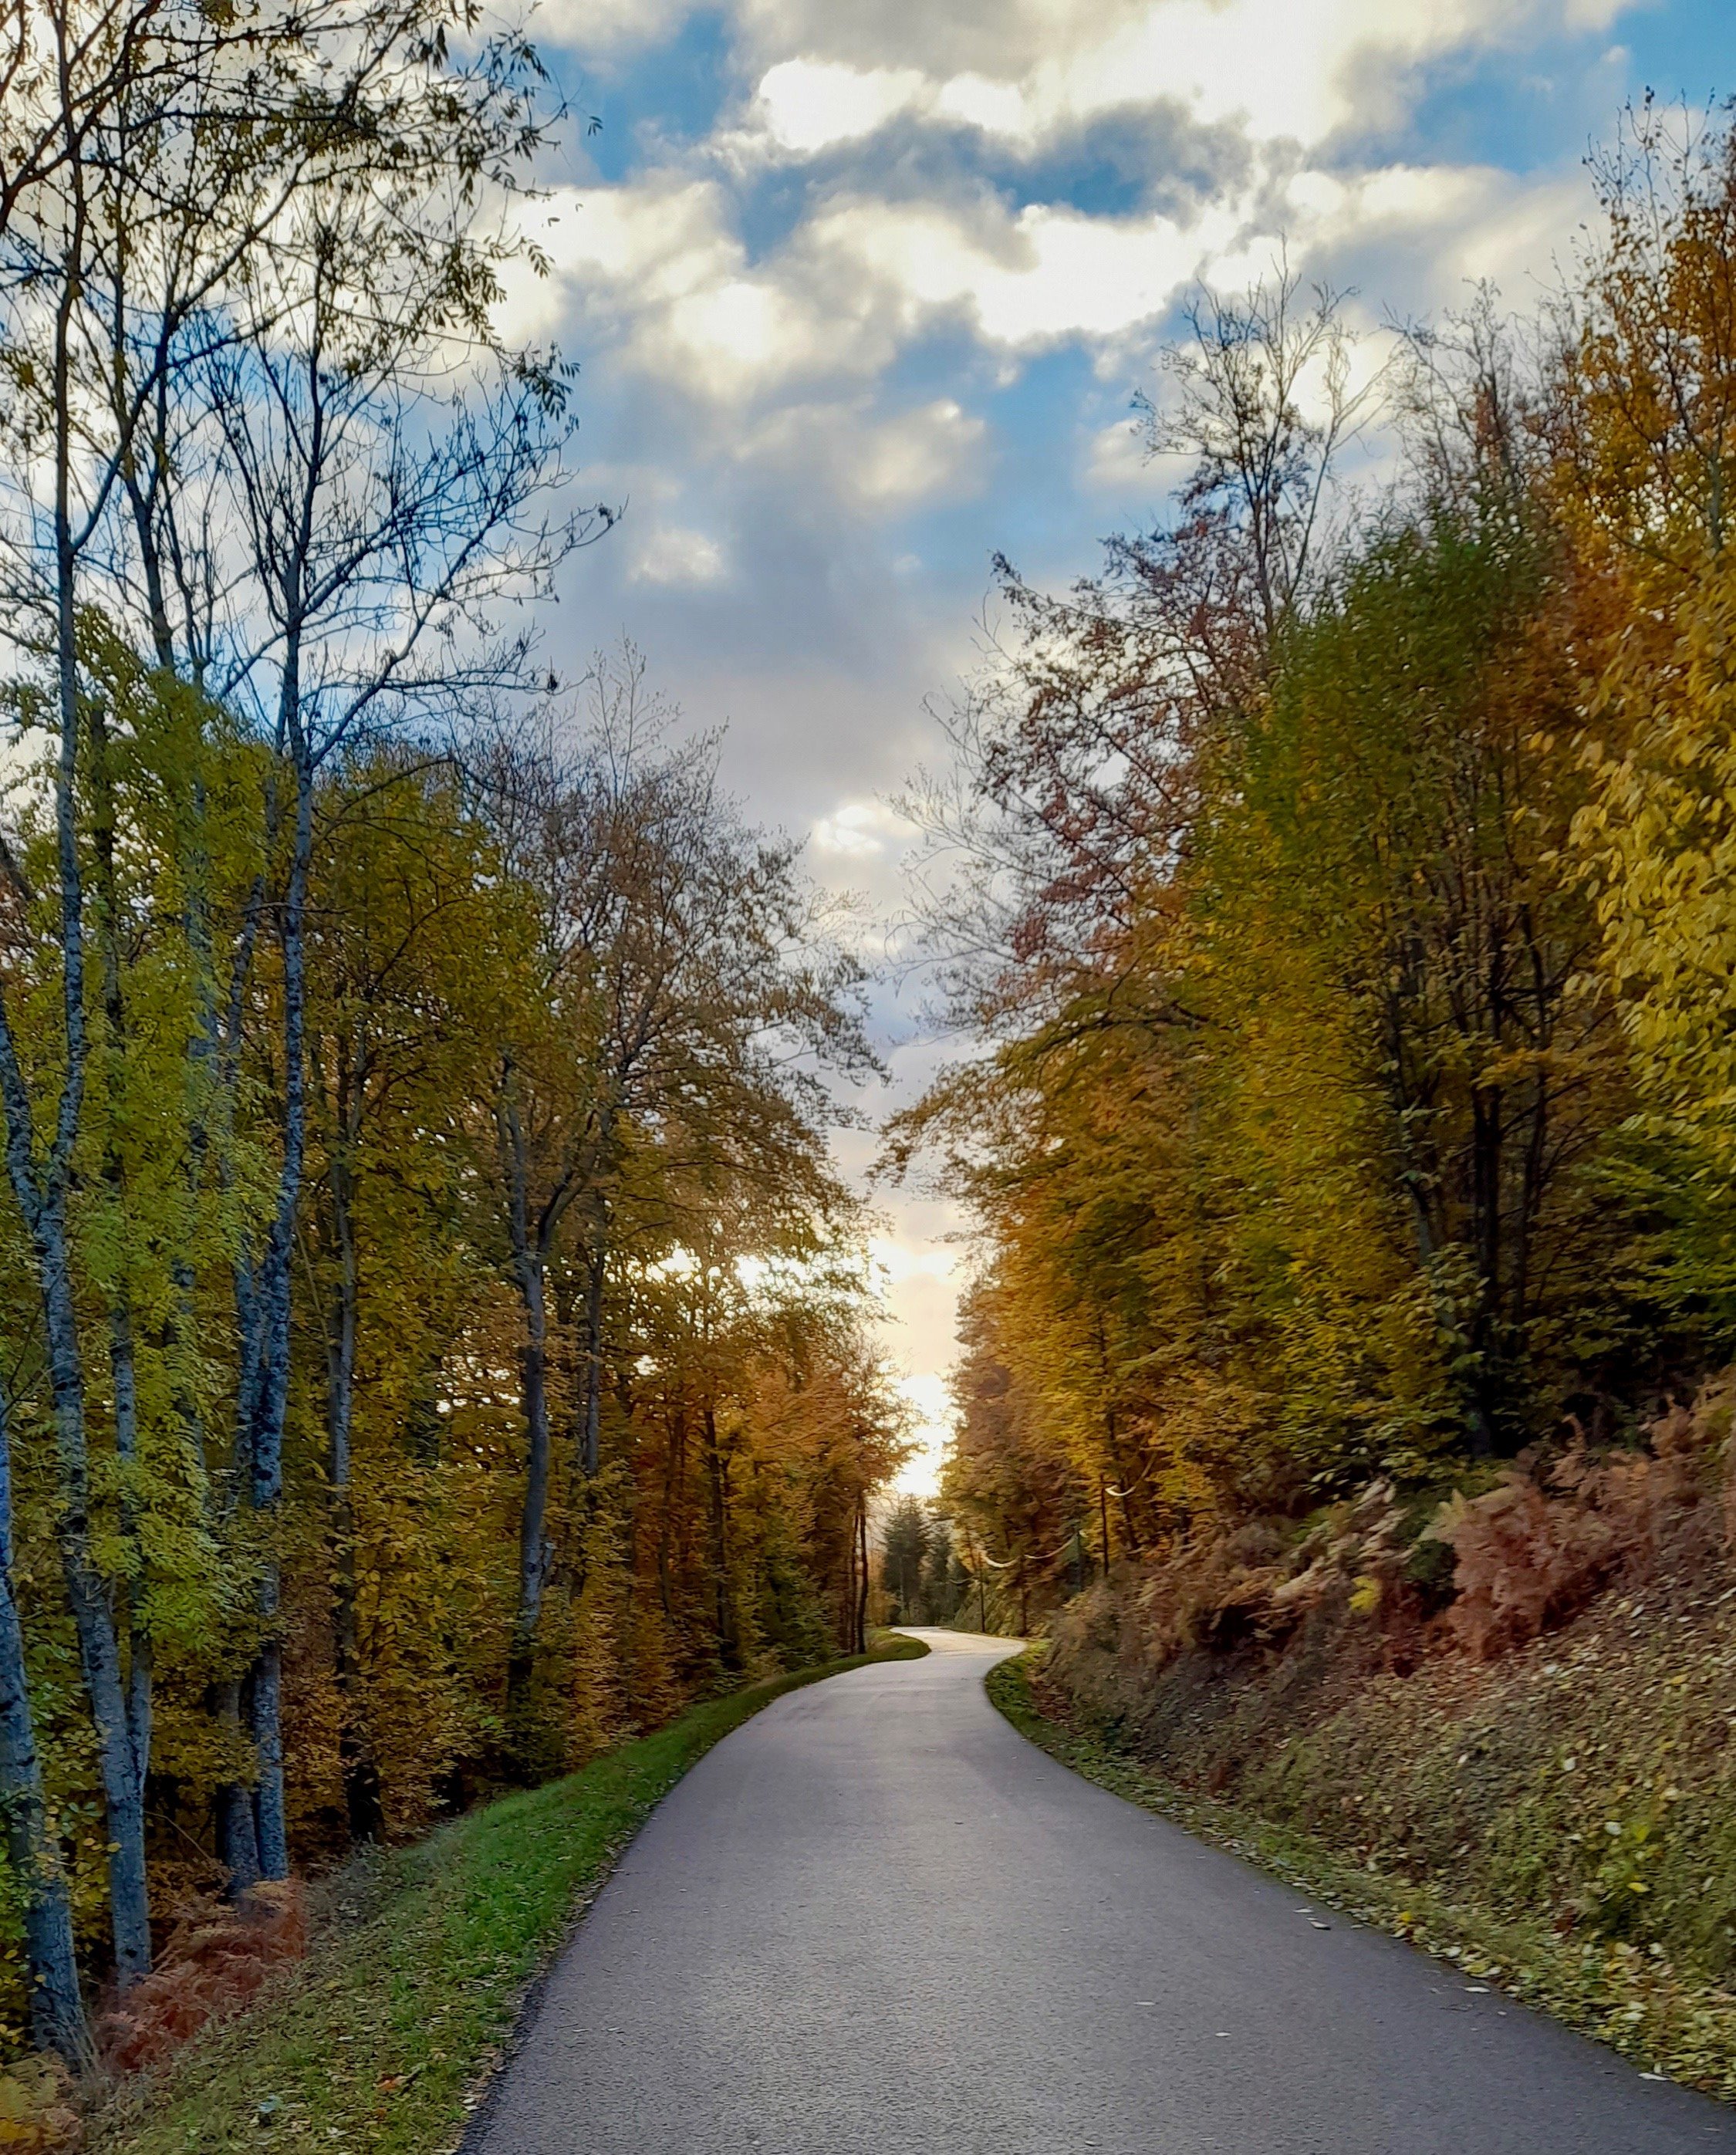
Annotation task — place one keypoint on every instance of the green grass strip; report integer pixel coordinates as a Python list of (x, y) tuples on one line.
[(376, 2040), (1666, 2022)]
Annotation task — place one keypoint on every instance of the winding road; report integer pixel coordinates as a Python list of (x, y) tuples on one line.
[(875, 1920)]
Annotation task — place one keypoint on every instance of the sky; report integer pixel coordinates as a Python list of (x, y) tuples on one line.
[(862, 292)]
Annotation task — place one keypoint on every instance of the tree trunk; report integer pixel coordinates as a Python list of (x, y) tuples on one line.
[(674, 1493), (361, 1775), (861, 1580), (532, 1543), (718, 1488), (123, 1358), (593, 1358), (273, 1317), (42, 1192), (231, 1802), (848, 1611), (57, 2011), (94, 1621)]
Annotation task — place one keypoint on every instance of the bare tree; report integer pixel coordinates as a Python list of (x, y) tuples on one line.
[(1078, 742)]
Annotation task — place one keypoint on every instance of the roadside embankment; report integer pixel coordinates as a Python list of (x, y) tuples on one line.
[(1504, 1727), (381, 2038)]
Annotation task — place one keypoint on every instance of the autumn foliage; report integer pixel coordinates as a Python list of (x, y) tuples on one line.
[(435, 1341), (1344, 897)]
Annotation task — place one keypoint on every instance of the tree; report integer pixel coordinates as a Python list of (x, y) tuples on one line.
[(279, 966), (905, 1536), (57, 2011), (682, 993)]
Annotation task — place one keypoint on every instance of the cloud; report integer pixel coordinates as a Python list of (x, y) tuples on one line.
[(850, 286), (1025, 277), (671, 555), (1418, 236), (860, 830), (1296, 71), (657, 267), (809, 104), (1117, 459), (882, 465)]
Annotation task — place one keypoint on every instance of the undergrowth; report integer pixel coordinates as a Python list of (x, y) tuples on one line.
[(1629, 1994), (381, 2038)]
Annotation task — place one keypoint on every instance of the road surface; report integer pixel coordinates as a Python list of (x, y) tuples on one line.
[(875, 1920)]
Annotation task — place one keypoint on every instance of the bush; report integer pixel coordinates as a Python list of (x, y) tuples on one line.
[(216, 1962)]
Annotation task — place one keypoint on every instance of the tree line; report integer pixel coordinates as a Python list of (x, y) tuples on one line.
[(1340, 880), (434, 1340)]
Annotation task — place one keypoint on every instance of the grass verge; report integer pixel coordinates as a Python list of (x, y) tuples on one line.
[(1667, 2024), (380, 2040)]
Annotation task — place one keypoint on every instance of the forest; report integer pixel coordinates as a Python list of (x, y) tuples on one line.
[(1335, 895), (1338, 881), (435, 1344), (438, 1347)]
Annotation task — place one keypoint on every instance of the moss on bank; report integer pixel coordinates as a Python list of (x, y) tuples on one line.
[(1632, 1993), (380, 2039)]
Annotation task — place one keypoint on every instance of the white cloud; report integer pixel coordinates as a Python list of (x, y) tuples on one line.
[(904, 1261), (1033, 278), (805, 332), (1283, 69), (671, 555), (1289, 69), (1118, 460), (1460, 223), (809, 104), (858, 831), (657, 264)]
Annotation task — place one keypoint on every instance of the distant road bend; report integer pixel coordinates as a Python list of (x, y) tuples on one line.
[(875, 1920)]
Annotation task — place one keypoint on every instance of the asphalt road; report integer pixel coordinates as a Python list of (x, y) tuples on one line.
[(875, 1920)]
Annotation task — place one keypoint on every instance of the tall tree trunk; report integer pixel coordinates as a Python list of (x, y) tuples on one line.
[(718, 1488), (533, 1521), (231, 1802), (94, 1622), (42, 1190), (57, 2011), (674, 1493), (227, 1699), (261, 1302), (597, 1269), (123, 1356), (848, 1610), (860, 1643), (271, 1317), (361, 1775)]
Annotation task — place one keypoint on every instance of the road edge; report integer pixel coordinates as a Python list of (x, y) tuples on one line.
[(1670, 2028), (388, 2032), (483, 2092)]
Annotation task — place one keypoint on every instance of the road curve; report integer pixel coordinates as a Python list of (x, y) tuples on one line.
[(875, 1920)]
